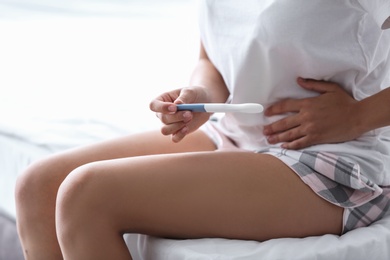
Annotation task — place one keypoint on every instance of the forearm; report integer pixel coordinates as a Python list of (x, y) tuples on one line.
[(373, 112), (206, 75)]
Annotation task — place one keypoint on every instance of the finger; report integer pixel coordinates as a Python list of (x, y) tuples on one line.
[(187, 95), (179, 135), (284, 106), (183, 116), (282, 125), (297, 144), (286, 136), (319, 86), (172, 128), (157, 105)]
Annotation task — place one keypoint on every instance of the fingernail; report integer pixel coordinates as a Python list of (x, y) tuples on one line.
[(187, 114), (270, 139), (184, 130), (172, 108)]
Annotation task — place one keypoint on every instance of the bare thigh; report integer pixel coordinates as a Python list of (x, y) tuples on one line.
[(146, 143), (37, 187), (39, 183), (236, 195)]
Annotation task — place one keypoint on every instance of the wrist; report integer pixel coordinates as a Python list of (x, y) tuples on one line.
[(360, 123), (372, 112)]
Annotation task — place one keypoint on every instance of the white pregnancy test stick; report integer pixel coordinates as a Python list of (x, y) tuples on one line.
[(222, 107)]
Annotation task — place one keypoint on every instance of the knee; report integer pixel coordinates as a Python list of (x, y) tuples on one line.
[(35, 183), (77, 203)]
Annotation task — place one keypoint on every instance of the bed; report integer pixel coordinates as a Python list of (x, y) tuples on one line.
[(77, 72)]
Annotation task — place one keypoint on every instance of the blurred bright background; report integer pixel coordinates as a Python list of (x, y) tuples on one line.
[(91, 61), (80, 71)]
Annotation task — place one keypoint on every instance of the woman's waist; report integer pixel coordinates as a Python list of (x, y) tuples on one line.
[(371, 150)]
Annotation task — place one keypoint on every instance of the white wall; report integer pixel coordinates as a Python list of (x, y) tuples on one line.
[(93, 59)]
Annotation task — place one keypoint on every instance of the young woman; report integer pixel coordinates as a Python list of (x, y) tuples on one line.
[(302, 168)]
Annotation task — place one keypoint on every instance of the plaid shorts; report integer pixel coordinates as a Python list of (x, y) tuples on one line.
[(333, 178), (340, 182)]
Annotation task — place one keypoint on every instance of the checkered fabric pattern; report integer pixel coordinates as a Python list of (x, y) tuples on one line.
[(340, 182)]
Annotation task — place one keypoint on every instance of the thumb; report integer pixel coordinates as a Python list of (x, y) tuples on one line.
[(319, 86), (187, 96)]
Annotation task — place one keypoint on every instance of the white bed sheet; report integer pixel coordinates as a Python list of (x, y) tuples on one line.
[(75, 72), (361, 244)]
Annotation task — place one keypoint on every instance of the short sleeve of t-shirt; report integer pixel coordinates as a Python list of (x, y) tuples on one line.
[(379, 10)]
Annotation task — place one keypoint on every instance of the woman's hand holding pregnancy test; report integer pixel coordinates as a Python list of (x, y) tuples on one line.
[(251, 108)]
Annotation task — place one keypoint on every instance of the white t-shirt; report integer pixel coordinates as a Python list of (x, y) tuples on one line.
[(261, 46)]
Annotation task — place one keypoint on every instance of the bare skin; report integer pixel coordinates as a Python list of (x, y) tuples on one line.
[(189, 195)]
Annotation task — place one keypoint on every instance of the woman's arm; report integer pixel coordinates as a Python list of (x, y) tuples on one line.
[(331, 117), (206, 86), (206, 75)]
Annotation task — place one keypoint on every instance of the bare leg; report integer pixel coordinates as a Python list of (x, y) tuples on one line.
[(37, 187), (210, 194)]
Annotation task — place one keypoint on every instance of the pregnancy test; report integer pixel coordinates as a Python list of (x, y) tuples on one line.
[(222, 107)]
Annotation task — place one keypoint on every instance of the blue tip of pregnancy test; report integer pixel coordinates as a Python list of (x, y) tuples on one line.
[(191, 107), (251, 108)]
